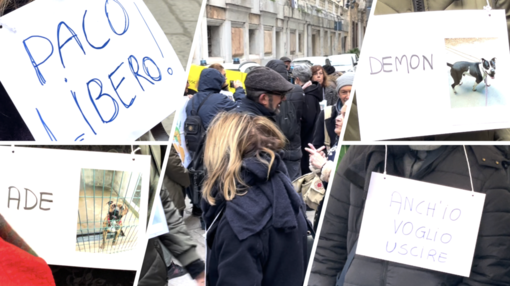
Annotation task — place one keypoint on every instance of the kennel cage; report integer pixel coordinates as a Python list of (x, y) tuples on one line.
[(97, 189)]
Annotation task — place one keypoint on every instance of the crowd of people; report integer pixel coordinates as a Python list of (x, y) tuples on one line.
[(247, 148)]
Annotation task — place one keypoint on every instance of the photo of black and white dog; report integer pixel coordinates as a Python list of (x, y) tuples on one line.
[(481, 71)]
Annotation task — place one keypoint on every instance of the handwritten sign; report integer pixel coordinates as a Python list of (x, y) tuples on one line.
[(405, 74), (88, 70), (43, 201), (420, 224)]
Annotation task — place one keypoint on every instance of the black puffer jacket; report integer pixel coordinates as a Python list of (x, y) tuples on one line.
[(249, 106), (491, 263), (311, 110), (260, 237)]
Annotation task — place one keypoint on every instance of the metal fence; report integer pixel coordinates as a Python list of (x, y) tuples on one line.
[(108, 211)]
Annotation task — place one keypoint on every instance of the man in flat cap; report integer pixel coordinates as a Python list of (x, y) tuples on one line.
[(265, 90), (287, 62)]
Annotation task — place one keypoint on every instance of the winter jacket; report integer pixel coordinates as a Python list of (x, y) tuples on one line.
[(384, 7), (330, 94), (260, 237), (319, 135), (12, 126), (311, 110), (178, 241), (210, 82), (343, 217), (293, 154), (176, 179), (247, 105)]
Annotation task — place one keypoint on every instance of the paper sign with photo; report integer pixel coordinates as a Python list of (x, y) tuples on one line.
[(420, 224), (433, 75), (77, 208), (92, 71)]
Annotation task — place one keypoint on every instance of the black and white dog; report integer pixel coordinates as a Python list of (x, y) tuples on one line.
[(479, 71)]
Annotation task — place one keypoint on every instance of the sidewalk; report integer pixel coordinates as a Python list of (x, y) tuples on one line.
[(178, 19)]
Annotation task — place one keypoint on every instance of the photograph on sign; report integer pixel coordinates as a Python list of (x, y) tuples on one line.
[(108, 212), (472, 78), (88, 72), (432, 79), (420, 224)]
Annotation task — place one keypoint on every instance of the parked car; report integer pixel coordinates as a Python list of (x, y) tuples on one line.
[(311, 60), (245, 67), (344, 62)]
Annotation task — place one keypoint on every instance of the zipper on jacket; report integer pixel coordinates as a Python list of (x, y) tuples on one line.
[(419, 5)]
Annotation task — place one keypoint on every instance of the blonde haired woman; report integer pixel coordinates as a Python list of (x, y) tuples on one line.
[(257, 230)]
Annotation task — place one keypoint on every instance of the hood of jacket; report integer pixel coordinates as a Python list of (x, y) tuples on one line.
[(279, 67), (315, 90), (211, 80), (270, 198)]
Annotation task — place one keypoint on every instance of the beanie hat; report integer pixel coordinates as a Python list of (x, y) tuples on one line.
[(345, 79)]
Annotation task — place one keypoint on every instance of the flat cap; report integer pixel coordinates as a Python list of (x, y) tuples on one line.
[(285, 59), (266, 79)]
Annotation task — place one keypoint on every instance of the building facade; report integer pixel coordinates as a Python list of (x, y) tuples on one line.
[(262, 30)]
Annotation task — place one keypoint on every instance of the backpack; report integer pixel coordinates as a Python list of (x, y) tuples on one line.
[(193, 126), (197, 172), (287, 119)]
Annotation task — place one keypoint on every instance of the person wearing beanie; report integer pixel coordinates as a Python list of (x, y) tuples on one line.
[(265, 90), (323, 125), (343, 86)]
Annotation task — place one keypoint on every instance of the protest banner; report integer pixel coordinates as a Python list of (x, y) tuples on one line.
[(77, 208), (88, 70), (420, 224), (434, 78)]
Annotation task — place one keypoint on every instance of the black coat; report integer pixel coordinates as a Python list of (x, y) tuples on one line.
[(12, 126), (260, 237), (342, 221), (211, 82), (311, 110), (247, 105)]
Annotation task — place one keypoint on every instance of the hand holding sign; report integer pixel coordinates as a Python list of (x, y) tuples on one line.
[(91, 71)]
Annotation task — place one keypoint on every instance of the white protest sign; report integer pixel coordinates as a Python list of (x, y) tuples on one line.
[(159, 224), (404, 78), (179, 138), (420, 224), (58, 201), (88, 70)]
